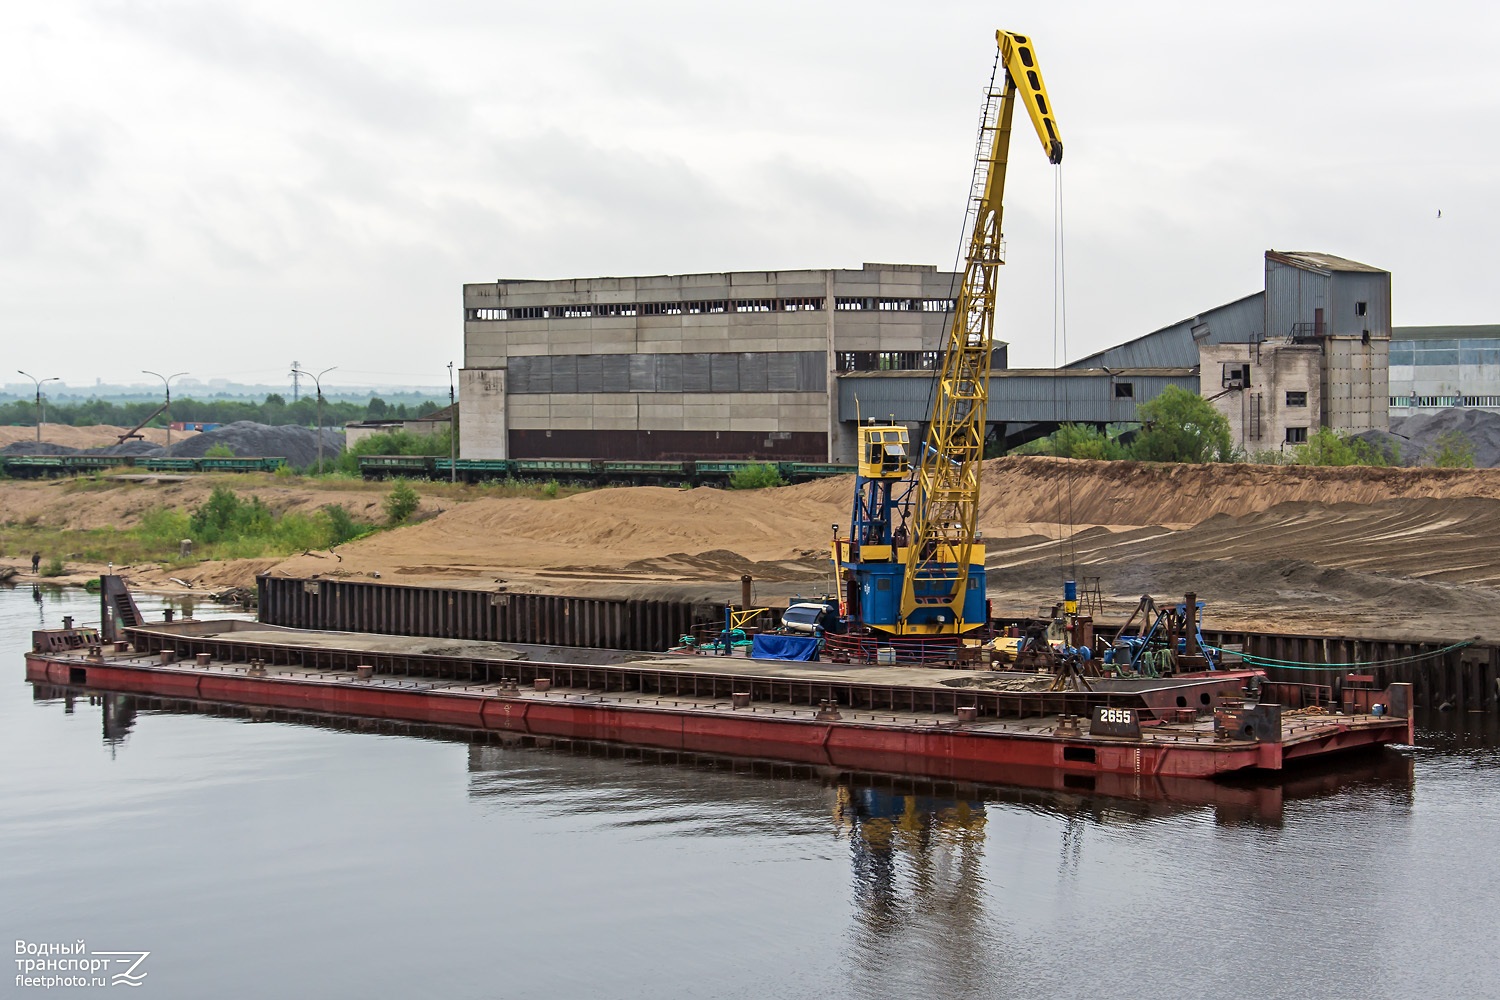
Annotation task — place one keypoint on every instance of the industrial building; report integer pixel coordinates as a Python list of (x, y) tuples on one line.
[(783, 364), (1437, 366), (732, 365), (1309, 351)]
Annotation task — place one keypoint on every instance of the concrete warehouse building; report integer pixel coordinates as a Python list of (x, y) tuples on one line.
[(782, 364), (731, 365)]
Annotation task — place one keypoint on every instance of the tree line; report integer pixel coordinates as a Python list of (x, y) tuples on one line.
[(274, 410), (1181, 426)]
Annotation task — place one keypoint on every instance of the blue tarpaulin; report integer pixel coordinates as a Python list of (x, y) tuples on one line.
[(784, 647)]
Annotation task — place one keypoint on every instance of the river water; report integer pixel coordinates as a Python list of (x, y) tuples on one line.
[(256, 856)]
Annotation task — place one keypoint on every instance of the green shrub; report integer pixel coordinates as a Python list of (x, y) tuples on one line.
[(219, 451), (1076, 441), (756, 477), (342, 526), (1326, 446), (549, 489), (54, 567), (1182, 426), (401, 502), (1453, 450)]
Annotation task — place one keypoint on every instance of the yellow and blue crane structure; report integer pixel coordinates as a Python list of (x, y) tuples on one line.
[(913, 564)]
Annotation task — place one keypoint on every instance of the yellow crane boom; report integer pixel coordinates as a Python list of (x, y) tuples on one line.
[(946, 509)]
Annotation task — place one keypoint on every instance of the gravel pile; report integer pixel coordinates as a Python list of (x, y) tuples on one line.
[(298, 445), (1418, 437)]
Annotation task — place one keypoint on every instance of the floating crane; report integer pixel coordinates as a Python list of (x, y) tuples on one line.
[(913, 563)]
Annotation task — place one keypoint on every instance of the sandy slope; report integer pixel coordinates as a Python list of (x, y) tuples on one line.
[(92, 436), (1327, 550)]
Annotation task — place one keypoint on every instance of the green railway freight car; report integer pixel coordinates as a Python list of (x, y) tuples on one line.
[(393, 466), (718, 472), (801, 472), (561, 469), (645, 473), (588, 472), (243, 463), (167, 464), (42, 466), (473, 470)]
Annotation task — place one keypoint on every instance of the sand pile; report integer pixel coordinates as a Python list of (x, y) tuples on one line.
[(61, 439), (1041, 490)]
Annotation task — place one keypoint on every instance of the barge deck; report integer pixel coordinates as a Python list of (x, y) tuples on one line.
[(969, 725)]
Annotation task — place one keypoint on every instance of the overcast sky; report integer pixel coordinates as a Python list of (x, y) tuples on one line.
[(228, 187)]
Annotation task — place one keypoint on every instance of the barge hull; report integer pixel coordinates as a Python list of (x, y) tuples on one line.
[(914, 743)]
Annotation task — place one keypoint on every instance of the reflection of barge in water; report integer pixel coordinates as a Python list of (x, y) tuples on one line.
[(966, 725), (1249, 797)]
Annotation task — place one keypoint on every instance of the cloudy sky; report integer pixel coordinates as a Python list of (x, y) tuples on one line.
[(226, 187)]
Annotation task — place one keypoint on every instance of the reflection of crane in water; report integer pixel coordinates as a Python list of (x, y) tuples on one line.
[(1074, 825), (918, 864)]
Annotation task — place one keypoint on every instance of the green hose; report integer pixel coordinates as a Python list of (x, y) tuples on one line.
[(1266, 661)]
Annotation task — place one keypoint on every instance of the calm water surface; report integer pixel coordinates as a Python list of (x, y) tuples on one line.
[(260, 857)]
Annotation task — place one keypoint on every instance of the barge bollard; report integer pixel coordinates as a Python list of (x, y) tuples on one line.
[(169, 656), (541, 683), (740, 699), (203, 659), (966, 713), (364, 671)]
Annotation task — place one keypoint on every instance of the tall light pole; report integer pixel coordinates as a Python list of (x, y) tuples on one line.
[(318, 382), (39, 382), (166, 381), (452, 429)]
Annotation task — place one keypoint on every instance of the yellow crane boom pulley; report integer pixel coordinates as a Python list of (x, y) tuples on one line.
[(945, 515)]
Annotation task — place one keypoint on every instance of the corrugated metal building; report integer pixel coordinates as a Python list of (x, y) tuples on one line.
[(1437, 366)]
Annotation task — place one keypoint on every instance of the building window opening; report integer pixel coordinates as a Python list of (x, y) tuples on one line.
[(1296, 435), (1359, 308), (1296, 398), (1236, 376), (1124, 390)]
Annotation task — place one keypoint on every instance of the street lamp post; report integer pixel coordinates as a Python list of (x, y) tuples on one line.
[(166, 381), (38, 382), (452, 429), (318, 383)]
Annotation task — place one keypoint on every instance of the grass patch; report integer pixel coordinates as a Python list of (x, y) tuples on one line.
[(225, 526)]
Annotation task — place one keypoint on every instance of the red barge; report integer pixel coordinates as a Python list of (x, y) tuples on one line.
[(956, 724)]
